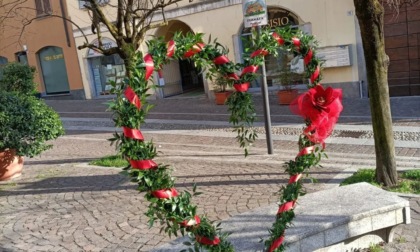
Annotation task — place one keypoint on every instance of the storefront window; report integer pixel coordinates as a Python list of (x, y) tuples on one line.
[(277, 17), (105, 69)]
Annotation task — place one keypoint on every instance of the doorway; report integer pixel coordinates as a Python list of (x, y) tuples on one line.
[(180, 76), (54, 72)]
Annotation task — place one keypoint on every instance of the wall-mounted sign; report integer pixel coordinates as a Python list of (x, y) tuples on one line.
[(54, 57), (255, 13), (106, 44), (335, 56), (277, 17)]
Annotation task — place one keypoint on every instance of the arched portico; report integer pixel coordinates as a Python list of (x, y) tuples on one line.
[(179, 76)]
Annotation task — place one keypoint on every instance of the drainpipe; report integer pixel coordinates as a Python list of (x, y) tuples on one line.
[(66, 30)]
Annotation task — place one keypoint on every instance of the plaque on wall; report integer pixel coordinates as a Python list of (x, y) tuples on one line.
[(335, 56)]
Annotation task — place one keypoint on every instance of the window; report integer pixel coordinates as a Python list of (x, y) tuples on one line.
[(21, 57), (3, 61), (43, 7)]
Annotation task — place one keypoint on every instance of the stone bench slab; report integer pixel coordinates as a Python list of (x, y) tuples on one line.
[(337, 219)]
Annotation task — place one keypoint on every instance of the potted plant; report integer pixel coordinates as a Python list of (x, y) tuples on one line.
[(288, 80), (220, 89), (26, 124)]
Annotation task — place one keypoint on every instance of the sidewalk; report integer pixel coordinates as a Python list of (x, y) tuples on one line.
[(62, 204)]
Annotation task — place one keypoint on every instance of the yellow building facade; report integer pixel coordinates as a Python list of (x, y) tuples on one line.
[(332, 22), (35, 34)]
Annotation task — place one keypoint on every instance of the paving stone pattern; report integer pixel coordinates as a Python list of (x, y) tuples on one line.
[(62, 204)]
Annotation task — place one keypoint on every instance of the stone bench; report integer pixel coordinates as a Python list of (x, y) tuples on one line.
[(337, 219)]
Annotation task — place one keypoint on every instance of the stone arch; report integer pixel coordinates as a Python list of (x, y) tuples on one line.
[(180, 76)]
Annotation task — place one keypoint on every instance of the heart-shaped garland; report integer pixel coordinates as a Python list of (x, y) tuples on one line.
[(319, 107)]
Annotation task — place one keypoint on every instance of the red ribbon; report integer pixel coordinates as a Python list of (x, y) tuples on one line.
[(249, 69), (233, 76), (295, 178), (191, 222), (296, 42), (286, 206), (133, 133), (315, 75), (132, 97), (165, 193), (195, 49), (276, 243), (279, 39), (221, 60), (143, 164), (308, 57), (259, 52), (160, 73), (242, 87), (306, 151), (171, 49), (148, 60), (207, 241)]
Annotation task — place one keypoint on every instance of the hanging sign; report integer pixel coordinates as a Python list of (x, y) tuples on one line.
[(255, 13)]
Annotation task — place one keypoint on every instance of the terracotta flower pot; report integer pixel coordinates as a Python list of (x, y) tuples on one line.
[(10, 165), (287, 96), (221, 97)]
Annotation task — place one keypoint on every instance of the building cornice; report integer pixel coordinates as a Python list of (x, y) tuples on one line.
[(195, 8)]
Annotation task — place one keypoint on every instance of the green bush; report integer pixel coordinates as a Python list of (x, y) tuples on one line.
[(412, 174), (18, 78), (26, 124)]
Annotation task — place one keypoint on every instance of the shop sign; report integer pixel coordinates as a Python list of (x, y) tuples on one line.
[(255, 13), (53, 57), (106, 44)]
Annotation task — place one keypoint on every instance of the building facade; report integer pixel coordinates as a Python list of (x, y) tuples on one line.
[(35, 34), (332, 22)]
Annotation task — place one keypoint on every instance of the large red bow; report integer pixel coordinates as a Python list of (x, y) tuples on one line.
[(322, 108)]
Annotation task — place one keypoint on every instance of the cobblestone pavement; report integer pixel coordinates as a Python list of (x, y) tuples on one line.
[(62, 204)]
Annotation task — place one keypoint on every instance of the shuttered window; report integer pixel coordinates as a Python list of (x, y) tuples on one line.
[(43, 7)]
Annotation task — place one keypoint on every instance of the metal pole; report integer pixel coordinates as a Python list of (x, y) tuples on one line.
[(267, 117)]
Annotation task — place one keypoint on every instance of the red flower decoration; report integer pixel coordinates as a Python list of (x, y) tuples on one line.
[(322, 108)]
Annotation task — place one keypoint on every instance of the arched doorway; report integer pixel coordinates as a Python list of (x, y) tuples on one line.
[(54, 71), (104, 69), (277, 17), (180, 76)]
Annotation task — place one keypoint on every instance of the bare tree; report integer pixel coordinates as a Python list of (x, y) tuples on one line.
[(370, 14)]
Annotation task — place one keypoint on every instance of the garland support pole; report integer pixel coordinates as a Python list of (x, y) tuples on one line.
[(266, 105)]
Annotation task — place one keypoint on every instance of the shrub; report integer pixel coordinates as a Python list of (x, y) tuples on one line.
[(18, 78), (26, 124)]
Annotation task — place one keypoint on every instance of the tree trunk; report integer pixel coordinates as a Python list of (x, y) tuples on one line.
[(370, 15)]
